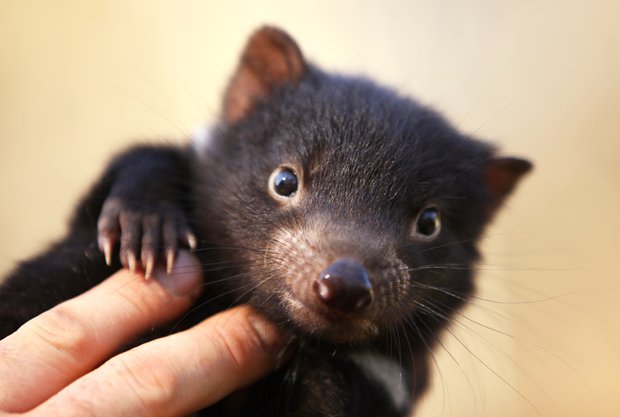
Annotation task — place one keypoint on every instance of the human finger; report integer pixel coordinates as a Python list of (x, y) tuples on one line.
[(178, 374), (71, 339)]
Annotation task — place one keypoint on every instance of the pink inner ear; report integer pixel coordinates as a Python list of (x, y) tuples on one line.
[(270, 59), (502, 175)]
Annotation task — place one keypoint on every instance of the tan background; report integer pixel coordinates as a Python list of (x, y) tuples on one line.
[(81, 79)]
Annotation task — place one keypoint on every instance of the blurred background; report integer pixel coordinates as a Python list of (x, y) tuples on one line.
[(81, 80)]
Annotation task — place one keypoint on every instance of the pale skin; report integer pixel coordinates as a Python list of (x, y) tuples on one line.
[(64, 362)]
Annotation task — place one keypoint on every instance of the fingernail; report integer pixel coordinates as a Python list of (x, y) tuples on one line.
[(184, 278), (281, 345)]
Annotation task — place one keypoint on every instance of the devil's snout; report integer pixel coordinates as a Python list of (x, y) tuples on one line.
[(344, 285)]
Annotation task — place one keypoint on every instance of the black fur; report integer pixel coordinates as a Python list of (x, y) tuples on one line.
[(369, 161)]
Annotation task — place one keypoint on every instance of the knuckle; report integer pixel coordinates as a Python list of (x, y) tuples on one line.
[(152, 382), (64, 330)]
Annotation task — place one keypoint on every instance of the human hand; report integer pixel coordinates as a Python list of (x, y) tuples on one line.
[(63, 362)]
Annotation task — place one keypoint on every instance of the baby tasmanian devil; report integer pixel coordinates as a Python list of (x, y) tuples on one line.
[(346, 213)]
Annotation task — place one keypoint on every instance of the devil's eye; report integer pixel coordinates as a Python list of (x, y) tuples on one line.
[(428, 223), (284, 182)]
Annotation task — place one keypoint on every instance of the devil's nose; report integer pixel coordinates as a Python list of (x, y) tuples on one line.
[(344, 286)]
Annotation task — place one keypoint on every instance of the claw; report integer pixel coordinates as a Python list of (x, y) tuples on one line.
[(148, 269), (131, 261), (105, 245), (191, 240), (169, 260)]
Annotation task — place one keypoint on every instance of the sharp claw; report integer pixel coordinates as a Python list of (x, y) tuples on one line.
[(169, 260), (131, 261), (191, 240), (148, 269), (105, 245)]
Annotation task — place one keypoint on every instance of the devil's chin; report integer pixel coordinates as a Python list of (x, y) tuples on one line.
[(330, 326)]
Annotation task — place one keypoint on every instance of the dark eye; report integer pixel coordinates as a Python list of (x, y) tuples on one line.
[(428, 223), (285, 182)]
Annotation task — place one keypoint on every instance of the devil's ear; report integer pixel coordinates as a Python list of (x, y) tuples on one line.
[(270, 59), (501, 175)]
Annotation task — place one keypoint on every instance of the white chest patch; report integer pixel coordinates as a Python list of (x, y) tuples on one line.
[(388, 374)]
